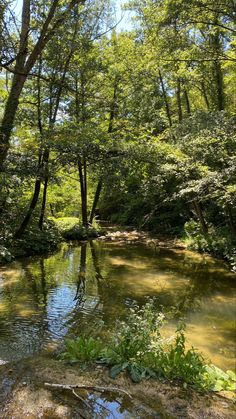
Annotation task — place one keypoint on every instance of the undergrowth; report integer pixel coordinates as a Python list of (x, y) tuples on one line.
[(138, 347), (218, 242)]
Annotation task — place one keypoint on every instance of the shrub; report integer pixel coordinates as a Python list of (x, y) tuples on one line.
[(35, 241), (219, 242), (71, 229)]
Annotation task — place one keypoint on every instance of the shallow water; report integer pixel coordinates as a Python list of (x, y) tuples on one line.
[(87, 287)]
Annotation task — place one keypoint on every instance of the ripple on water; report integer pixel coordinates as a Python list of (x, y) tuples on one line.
[(86, 288)]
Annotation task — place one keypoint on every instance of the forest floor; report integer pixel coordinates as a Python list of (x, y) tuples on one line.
[(23, 394)]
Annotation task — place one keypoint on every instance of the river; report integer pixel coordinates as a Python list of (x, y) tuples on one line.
[(86, 287)]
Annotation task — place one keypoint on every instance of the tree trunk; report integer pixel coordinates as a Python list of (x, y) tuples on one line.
[(95, 261), (83, 191), (110, 129), (43, 207), (219, 85), (9, 116), (165, 99), (231, 220), (96, 199), (188, 109), (178, 97), (32, 206), (205, 95), (82, 274), (200, 216)]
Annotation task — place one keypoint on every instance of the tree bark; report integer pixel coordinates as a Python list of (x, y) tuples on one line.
[(231, 220), (178, 97), (32, 206), (43, 207), (82, 169), (205, 95), (96, 199), (188, 108), (199, 213), (165, 99)]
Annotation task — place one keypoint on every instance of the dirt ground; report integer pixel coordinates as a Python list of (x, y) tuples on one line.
[(23, 394)]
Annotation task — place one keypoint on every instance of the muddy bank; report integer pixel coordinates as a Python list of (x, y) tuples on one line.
[(23, 395)]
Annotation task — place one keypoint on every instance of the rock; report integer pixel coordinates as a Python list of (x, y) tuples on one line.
[(5, 255)]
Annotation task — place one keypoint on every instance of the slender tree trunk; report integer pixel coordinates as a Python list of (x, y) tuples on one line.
[(205, 95), (83, 191), (82, 274), (217, 48), (231, 220), (188, 109), (46, 178), (178, 97), (43, 207), (110, 129), (165, 99), (95, 261), (200, 216), (32, 206), (96, 199), (219, 85)]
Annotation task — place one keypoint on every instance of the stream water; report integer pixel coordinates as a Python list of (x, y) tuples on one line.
[(43, 300)]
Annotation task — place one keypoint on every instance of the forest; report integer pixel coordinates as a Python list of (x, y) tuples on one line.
[(136, 127), (120, 119)]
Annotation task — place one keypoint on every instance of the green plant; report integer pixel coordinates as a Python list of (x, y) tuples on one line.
[(218, 242), (83, 349), (217, 380), (71, 228), (138, 347)]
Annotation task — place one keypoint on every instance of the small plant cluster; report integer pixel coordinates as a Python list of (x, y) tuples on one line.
[(218, 242), (71, 229), (138, 347)]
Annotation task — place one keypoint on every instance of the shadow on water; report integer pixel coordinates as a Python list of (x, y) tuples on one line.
[(85, 288)]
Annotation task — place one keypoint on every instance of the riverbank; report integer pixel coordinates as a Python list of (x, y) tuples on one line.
[(24, 394)]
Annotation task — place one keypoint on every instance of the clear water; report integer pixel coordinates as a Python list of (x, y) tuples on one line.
[(88, 286)]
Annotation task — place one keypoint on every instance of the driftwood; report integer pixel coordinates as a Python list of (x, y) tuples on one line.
[(88, 387)]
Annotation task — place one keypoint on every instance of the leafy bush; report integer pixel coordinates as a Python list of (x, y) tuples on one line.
[(71, 229), (137, 346), (219, 242), (35, 241)]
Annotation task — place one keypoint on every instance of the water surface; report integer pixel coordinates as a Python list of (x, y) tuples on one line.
[(87, 287)]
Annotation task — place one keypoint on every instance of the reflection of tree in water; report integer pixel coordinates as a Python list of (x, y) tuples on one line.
[(80, 292), (96, 263), (88, 310)]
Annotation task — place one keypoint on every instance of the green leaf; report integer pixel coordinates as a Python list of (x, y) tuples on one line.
[(116, 370), (135, 374)]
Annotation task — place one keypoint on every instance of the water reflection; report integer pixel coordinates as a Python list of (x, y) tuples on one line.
[(87, 287)]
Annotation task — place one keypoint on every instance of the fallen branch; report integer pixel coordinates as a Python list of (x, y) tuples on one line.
[(99, 389)]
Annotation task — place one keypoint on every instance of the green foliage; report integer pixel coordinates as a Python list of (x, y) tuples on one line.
[(71, 228), (217, 380), (83, 349), (138, 347), (35, 241), (218, 241)]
